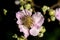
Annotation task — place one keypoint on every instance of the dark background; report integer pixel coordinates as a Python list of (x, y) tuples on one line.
[(8, 25)]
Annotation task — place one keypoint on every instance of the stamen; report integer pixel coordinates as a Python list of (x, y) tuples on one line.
[(27, 21)]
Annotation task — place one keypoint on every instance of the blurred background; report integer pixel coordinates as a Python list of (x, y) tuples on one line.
[(8, 26)]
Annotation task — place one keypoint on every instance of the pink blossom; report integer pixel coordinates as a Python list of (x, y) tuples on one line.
[(37, 22), (57, 14)]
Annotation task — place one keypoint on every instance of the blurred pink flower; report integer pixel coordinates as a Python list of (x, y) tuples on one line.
[(28, 23), (57, 14)]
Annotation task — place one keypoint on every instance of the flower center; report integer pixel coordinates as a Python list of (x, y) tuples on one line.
[(27, 21)]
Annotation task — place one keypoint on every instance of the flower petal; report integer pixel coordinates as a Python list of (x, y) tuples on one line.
[(19, 21), (19, 15), (24, 30), (38, 19), (34, 31), (57, 14), (29, 13), (22, 13)]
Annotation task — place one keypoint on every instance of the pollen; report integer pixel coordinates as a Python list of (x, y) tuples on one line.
[(27, 21)]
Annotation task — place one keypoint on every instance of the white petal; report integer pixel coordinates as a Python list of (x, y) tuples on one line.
[(26, 12), (19, 15), (24, 30), (19, 22), (57, 14), (38, 19), (29, 13), (34, 31)]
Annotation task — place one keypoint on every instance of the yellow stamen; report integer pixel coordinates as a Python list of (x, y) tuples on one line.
[(27, 21)]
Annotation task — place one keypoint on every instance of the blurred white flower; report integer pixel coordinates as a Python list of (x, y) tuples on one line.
[(17, 2)]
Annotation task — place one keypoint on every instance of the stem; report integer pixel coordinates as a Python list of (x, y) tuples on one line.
[(57, 4)]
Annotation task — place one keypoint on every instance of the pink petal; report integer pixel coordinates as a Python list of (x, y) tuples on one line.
[(19, 15), (34, 31), (24, 30), (19, 21), (29, 13), (38, 19), (20, 27), (22, 13), (57, 14)]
